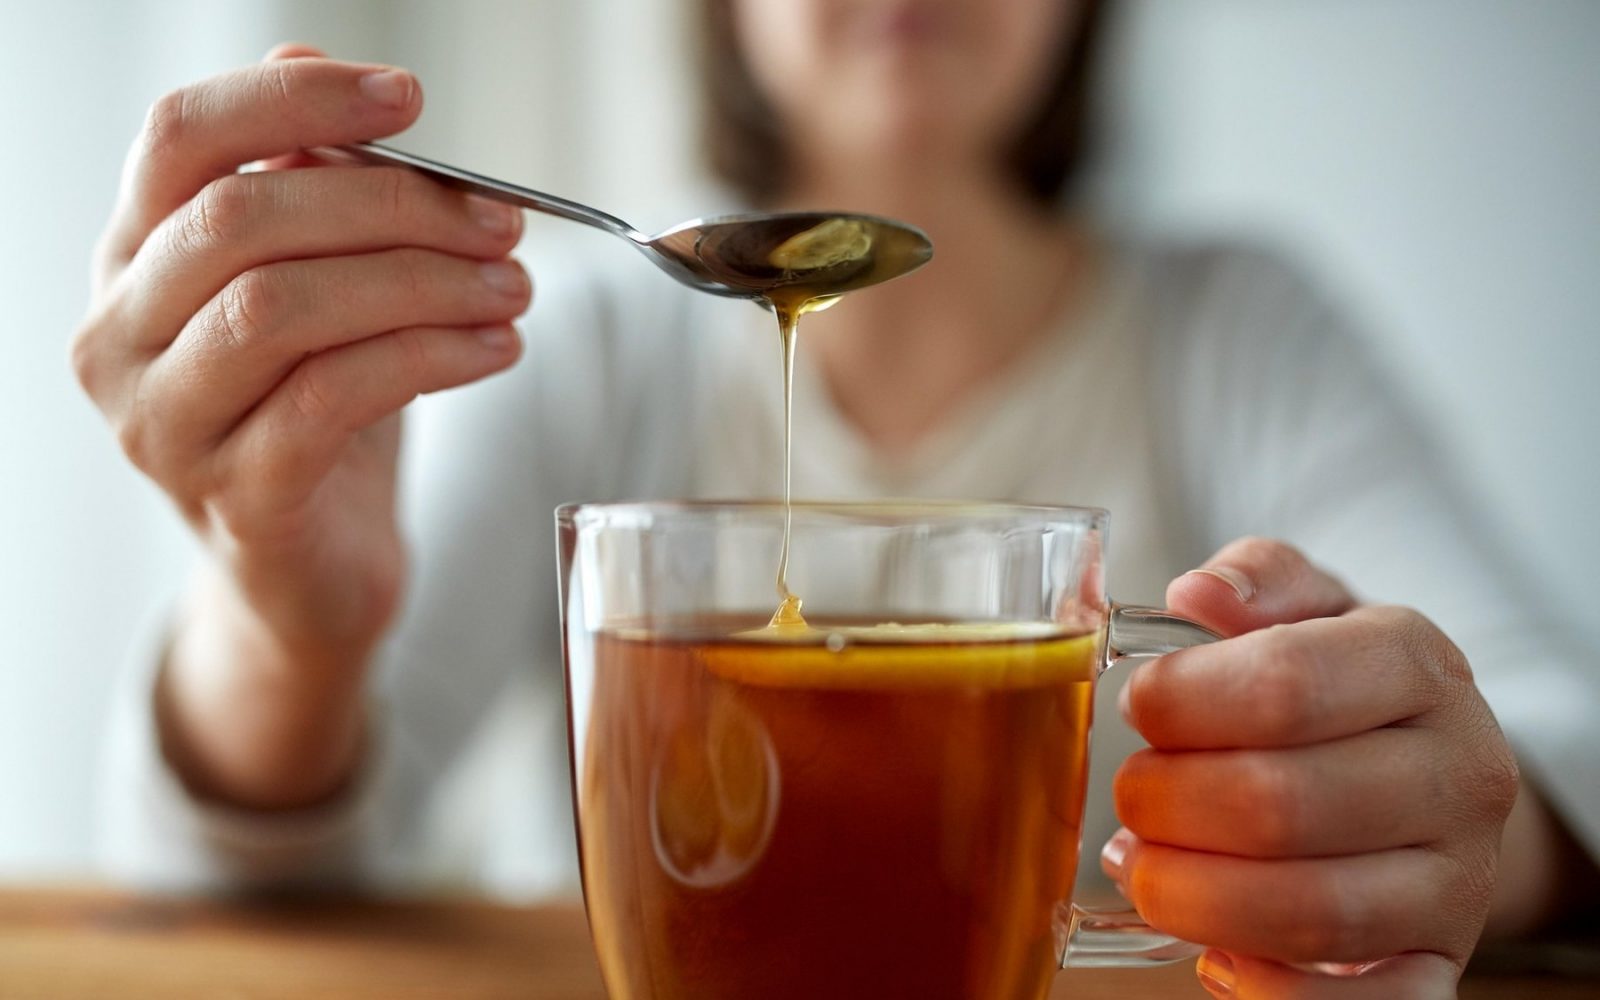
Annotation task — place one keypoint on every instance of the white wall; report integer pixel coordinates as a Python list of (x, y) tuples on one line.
[(84, 547), (1436, 159), (1439, 162)]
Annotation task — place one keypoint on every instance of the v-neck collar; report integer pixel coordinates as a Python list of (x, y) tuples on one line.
[(973, 453)]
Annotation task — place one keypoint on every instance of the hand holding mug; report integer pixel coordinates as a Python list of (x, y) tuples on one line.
[(1324, 793)]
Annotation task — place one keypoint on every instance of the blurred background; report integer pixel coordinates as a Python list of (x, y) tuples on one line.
[(1436, 162)]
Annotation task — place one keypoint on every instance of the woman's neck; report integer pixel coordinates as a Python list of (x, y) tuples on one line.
[(898, 359)]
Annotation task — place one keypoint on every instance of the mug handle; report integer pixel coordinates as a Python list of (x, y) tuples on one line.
[(1102, 937)]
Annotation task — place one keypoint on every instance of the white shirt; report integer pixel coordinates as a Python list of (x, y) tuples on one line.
[(1206, 393)]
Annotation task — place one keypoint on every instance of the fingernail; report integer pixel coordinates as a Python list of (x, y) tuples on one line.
[(504, 277), (1113, 854), (392, 88), (499, 219), (495, 338), (1125, 701), (1227, 574), (1215, 970)]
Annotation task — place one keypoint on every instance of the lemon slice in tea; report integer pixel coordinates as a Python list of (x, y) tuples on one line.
[(900, 656)]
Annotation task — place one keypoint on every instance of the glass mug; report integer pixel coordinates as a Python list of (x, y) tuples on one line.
[(860, 809)]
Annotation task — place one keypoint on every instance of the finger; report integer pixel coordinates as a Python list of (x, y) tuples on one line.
[(246, 340), (1295, 684), (209, 129), (1414, 976), (293, 50), (1371, 792), (299, 158), (279, 454), (1352, 909), (1255, 582), (248, 220)]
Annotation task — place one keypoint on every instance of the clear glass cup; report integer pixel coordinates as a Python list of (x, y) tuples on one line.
[(858, 809)]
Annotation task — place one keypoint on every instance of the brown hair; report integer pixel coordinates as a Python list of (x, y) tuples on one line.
[(744, 139)]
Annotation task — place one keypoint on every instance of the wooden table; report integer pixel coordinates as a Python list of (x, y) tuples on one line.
[(79, 944)]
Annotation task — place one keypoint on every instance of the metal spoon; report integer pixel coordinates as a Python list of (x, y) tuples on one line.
[(749, 256)]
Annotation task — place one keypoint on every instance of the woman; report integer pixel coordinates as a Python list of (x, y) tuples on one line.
[(254, 336)]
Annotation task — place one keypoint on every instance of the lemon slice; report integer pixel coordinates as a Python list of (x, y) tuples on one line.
[(835, 241), (714, 792), (905, 656)]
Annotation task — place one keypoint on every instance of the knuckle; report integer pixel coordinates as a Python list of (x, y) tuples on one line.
[(248, 308), (281, 81), (1286, 685), (1418, 641), (144, 433), (1401, 624), (1128, 785), (391, 190), (412, 274), (1150, 893), (1495, 779), (1270, 805), (1147, 699), (310, 397), (415, 358), (1326, 921), (219, 213), (1135, 691), (167, 120), (135, 438), (1448, 659), (1504, 782)]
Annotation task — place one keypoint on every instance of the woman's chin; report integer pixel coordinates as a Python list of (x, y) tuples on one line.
[(920, 136)]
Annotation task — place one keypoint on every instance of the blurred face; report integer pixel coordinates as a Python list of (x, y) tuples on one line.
[(876, 79)]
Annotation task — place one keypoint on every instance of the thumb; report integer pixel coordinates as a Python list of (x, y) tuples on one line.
[(1252, 583)]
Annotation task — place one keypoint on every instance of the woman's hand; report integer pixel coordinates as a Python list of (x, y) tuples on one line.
[(251, 339), (1324, 790)]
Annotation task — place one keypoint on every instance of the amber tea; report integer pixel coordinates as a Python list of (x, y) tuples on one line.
[(839, 812)]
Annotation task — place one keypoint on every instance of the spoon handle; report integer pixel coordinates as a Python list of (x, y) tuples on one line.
[(488, 187)]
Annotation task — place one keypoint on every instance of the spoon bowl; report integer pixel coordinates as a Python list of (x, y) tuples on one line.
[(794, 255)]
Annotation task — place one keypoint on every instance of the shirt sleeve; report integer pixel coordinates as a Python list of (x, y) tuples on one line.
[(587, 414), (1282, 424), (156, 835)]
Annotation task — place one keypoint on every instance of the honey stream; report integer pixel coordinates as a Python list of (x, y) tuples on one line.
[(811, 260)]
